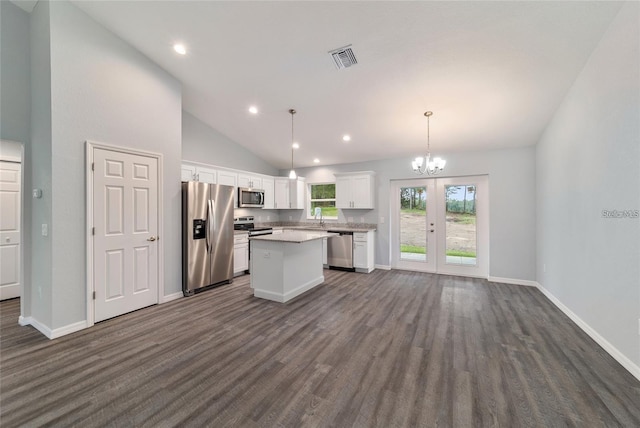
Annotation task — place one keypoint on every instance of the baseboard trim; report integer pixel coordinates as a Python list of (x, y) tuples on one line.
[(383, 267), (55, 333), (513, 281), (171, 297), (25, 321), (611, 350), (68, 329)]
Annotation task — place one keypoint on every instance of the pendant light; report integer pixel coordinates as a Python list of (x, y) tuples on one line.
[(292, 173), (431, 167)]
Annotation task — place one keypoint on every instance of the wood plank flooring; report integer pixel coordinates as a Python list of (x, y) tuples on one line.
[(388, 349)]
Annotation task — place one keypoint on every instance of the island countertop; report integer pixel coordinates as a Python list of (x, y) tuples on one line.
[(297, 236)]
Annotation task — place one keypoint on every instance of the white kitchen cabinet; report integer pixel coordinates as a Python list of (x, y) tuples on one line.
[(355, 190), (229, 178), (289, 194), (363, 251), (198, 173), (249, 181), (324, 252), (269, 195), (240, 254), (188, 172)]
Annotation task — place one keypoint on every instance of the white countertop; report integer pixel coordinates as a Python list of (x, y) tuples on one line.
[(296, 236)]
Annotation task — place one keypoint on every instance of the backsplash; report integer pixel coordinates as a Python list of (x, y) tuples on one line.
[(316, 223)]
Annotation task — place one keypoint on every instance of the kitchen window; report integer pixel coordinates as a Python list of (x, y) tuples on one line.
[(323, 196)]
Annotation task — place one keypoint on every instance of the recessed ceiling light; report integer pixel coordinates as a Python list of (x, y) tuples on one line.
[(316, 160), (346, 137), (295, 145), (253, 110), (180, 48)]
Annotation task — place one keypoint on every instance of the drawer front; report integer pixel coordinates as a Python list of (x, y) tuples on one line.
[(240, 239), (360, 237)]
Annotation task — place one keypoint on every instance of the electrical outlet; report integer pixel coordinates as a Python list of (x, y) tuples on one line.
[(290, 218), (268, 217), (259, 218), (381, 220), (544, 268), (361, 219), (350, 219)]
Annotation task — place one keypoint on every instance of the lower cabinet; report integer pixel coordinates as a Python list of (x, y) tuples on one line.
[(363, 251), (240, 254)]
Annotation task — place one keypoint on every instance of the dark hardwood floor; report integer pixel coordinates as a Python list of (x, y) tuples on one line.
[(388, 349)]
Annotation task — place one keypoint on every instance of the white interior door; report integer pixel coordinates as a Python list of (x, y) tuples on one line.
[(10, 247), (125, 218), (441, 225)]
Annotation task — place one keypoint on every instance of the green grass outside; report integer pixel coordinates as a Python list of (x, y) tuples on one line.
[(413, 211), (422, 250), (328, 212)]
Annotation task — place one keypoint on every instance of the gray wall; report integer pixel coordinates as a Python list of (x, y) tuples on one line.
[(14, 73), (588, 160), (103, 90), (15, 104), (201, 143), (511, 212), (38, 293)]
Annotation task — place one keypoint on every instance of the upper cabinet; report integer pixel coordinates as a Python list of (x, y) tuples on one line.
[(288, 193), (250, 181), (355, 190), (198, 173), (269, 195)]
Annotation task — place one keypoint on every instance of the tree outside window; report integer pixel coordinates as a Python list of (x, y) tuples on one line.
[(323, 196)]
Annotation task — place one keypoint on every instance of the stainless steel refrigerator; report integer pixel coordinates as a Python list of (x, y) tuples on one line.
[(207, 235)]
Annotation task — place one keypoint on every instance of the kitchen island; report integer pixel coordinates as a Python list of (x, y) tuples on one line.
[(286, 265)]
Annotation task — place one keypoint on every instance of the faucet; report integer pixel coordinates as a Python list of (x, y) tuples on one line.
[(319, 211)]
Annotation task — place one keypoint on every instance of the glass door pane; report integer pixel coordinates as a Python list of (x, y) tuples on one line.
[(460, 226), (413, 224)]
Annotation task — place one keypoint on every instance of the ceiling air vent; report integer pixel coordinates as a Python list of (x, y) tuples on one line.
[(343, 57)]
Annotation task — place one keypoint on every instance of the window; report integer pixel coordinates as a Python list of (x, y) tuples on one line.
[(323, 196)]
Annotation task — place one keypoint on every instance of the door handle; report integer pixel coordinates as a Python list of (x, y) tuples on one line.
[(151, 239), (210, 224)]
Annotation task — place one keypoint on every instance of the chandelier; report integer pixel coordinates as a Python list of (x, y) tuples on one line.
[(431, 167)]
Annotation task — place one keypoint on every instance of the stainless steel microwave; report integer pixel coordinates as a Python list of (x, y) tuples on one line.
[(250, 198)]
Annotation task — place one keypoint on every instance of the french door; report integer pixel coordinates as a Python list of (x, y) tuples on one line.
[(441, 225)]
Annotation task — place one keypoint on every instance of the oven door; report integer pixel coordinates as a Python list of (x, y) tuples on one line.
[(250, 198)]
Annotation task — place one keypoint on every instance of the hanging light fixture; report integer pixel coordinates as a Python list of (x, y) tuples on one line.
[(431, 167), (292, 173)]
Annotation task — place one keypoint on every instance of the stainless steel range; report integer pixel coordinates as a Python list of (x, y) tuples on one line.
[(246, 223)]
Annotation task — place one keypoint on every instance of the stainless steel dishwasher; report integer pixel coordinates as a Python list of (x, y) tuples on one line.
[(340, 251)]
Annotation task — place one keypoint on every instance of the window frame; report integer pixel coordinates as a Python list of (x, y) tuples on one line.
[(309, 200)]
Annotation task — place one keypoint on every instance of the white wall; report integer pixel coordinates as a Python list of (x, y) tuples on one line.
[(201, 143), (101, 89), (588, 160), (512, 207)]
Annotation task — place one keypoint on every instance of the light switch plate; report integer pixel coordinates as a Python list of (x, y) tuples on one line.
[(45, 229)]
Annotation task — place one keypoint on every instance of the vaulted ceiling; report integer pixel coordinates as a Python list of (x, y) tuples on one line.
[(493, 73)]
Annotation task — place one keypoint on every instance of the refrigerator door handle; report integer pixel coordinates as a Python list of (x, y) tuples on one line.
[(211, 223)]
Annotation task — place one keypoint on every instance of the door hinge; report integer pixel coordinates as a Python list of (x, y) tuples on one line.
[(93, 230), (93, 166), (94, 295)]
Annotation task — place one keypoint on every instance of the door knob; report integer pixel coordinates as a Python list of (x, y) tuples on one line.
[(153, 238)]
